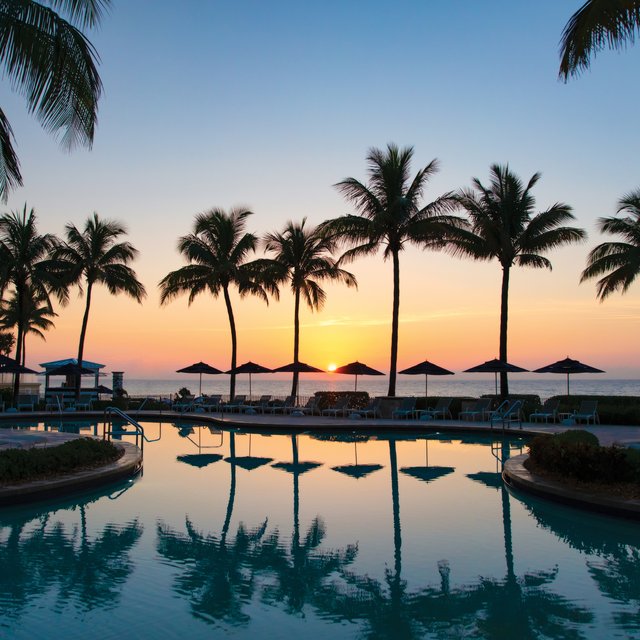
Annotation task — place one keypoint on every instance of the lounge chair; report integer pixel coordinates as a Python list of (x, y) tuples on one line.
[(236, 403), (308, 409), (340, 406), (441, 410), (278, 406), (256, 407), (26, 402), (509, 411), (212, 403), (183, 404), (588, 411), (476, 411), (83, 403), (407, 409), (548, 411), (55, 402), (372, 410)]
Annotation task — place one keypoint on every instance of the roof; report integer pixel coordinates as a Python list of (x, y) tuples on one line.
[(60, 363)]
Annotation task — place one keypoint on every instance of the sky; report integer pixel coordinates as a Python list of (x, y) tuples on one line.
[(267, 105)]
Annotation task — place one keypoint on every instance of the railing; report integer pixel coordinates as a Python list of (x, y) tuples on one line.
[(138, 430)]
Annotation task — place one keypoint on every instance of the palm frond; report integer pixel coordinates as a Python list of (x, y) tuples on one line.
[(596, 25), (84, 13), (10, 176)]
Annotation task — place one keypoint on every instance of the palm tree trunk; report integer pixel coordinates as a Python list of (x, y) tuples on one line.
[(504, 318), (394, 324), (296, 342), (234, 343), (19, 340), (24, 348), (83, 334)]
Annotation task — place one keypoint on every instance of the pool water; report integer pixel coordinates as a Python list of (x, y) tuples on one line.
[(315, 536)]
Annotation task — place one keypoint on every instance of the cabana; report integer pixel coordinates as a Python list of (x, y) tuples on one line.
[(67, 390)]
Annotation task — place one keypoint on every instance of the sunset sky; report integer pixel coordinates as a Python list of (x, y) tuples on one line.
[(267, 105)]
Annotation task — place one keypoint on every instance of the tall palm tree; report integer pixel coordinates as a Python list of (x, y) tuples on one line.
[(93, 256), (596, 25), (505, 227), (217, 250), (390, 215), (47, 58), (35, 316), (27, 266), (620, 261), (302, 257)]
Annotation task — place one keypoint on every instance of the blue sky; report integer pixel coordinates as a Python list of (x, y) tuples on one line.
[(269, 104)]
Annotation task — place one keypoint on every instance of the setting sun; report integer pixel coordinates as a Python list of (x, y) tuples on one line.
[(331, 367)]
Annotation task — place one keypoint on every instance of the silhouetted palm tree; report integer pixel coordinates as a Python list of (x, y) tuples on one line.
[(303, 259), (35, 317), (93, 256), (47, 59), (217, 251), (620, 261), (596, 25), (27, 266), (505, 227), (390, 215)]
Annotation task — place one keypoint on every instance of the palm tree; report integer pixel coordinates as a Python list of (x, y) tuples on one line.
[(505, 227), (35, 317), (93, 256), (27, 267), (619, 260), (217, 251), (51, 63), (303, 259), (389, 216), (596, 25)]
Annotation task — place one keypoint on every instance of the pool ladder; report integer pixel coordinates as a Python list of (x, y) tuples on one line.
[(108, 430)]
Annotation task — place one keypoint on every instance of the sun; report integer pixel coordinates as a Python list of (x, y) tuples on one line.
[(332, 367)]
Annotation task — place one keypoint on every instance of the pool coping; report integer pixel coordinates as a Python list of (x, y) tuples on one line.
[(128, 465), (516, 475)]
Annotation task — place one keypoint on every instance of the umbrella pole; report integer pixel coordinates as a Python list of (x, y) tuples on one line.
[(426, 390), (356, 387), (567, 384), (495, 373), (200, 385), (249, 387)]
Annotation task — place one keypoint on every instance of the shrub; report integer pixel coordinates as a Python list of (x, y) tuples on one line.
[(20, 465), (577, 455)]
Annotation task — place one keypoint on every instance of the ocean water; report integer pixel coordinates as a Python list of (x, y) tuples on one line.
[(544, 387)]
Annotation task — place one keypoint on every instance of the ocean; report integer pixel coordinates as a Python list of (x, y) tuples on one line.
[(542, 386)]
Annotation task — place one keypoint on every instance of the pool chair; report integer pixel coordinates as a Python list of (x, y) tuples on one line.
[(278, 406), (548, 411), (183, 404), (308, 409), (441, 410), (406, 410), (257, 407), (340, 406), (212, 403), (26, 402), (83, 403), (476, 411), (236, 403), (372, 410), (508, 412), (588, 411)]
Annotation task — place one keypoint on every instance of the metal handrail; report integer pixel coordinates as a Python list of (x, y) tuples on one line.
[(139, 429)]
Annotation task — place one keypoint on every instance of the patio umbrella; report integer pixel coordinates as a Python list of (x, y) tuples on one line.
[(427, 473), (103, 390), (357, 470), (200, 368), (7, 365), (297, 367), (495, 366), (248, 462), (250, 368), (358, 369), (427, 369), (199, 460), (568, 366)]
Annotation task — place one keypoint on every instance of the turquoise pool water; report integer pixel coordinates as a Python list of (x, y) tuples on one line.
[(276, 536)]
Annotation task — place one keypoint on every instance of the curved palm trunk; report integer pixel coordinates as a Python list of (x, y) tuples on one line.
[(234, 343), (504, 317), (83, 335), (296, 342), (394, 324), (232, 489)]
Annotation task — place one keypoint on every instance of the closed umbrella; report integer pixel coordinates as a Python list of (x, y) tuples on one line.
[(427, 369), (358, 369), (568, 366), (496, 366), (200, 368), (250, 368)]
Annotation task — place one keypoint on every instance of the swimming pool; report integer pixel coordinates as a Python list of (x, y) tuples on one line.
[(344, 535)]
